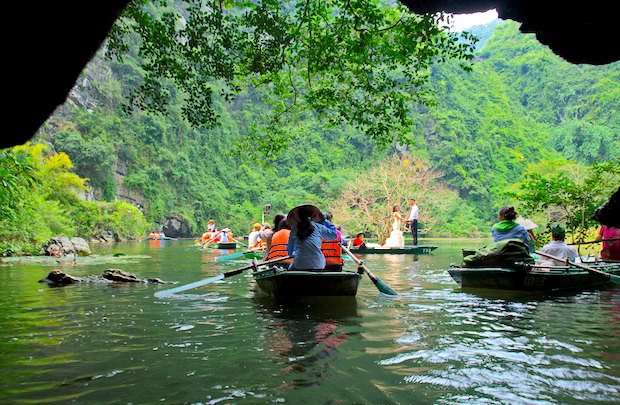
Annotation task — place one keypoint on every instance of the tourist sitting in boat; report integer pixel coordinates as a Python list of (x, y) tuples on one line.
[(359, 241), (215, 237), (254, 240), (279, 241), (508, 228), (209, 237), (206, 236), (266, 234), (224, 236), (331, 249), (308, 228), (558, 248)]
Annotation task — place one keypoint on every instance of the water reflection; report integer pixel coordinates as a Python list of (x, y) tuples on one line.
[(304, 337), (157, 243)]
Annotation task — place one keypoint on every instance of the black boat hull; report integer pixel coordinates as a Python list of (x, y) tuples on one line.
[(411, 250), (283, 283), (543, 279)]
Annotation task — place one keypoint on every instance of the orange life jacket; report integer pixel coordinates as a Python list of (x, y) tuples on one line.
[(278, 246), (332, 252)]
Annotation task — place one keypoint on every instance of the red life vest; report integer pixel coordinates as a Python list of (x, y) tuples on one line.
[(332, 252), (278, 246)]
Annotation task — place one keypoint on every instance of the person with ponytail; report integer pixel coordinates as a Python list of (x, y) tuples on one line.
[(508, 228), (308, 229)]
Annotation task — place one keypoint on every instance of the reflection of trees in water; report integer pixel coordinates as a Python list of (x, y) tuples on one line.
[(303, 335), (393, 268)]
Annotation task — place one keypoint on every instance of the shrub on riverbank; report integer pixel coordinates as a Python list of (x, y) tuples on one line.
[(39, 199)]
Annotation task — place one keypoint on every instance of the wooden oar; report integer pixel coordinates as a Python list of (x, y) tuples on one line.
[(239, 242), (222, 276), (381, 286), (206, 244), (234, 255), (594, 241), (611, 277), (238, 255)]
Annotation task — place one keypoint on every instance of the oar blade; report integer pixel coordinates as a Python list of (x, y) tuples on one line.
[(614, 279), (383, 287), (230, 257), (229, 273), (185, 287)]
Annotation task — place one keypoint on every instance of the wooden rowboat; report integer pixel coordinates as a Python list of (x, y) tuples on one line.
[(221, 245), (533, 278), (226, 245), (279, 282), (415, 250)]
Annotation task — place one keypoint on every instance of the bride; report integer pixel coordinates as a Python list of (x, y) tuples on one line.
[(396, 239)]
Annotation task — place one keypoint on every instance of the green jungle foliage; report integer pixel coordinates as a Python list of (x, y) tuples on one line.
[(566, 193), (39, 199), (519, 105), (359, 62)]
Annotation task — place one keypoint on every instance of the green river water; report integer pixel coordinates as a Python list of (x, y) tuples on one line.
[(224, 344)]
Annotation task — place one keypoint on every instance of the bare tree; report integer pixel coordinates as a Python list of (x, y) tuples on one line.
[(366, 203)]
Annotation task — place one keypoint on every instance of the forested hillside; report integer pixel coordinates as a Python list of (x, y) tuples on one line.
[(520, 104)]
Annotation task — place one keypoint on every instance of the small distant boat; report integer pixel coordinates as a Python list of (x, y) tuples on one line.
[(279, 282), (221, 245), (415, 250), (159, 238), (533, 278), (225, 245)]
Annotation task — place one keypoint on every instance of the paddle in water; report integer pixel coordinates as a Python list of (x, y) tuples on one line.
[(611, 277), (381, 286), (222, 276), (238, 255)]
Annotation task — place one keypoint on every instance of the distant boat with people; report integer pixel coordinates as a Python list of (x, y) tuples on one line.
[(414, 250), (510, 265), (535, 277), (158, 236)]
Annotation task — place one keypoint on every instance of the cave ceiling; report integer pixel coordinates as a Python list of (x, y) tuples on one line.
[(56, 40)]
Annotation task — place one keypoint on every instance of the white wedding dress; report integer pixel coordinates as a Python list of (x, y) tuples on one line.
[(396, 239)]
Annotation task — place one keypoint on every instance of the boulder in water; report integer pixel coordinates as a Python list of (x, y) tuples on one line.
[(60, 278)]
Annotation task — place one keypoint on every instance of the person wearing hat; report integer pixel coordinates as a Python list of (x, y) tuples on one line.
[(308, 229), (558, 247), (211, 226), (224, 236), (253, 238)]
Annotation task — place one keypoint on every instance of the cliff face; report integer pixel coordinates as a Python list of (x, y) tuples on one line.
[(131, 196), (89, 94)]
